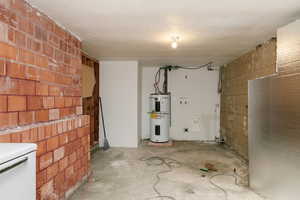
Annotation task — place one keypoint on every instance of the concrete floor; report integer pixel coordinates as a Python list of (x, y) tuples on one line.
[(123, 174)]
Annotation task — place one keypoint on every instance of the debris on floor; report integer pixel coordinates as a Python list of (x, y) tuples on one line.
[(173, 172), (204, 169), (161, 144), (210, 167)]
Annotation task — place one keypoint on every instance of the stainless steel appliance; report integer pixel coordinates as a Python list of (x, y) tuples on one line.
[(17, 171), (274, 136)]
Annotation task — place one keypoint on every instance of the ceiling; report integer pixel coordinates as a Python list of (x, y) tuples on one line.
[(141, 29)]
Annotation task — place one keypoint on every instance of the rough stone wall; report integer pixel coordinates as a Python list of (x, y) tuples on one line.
[(234, 98), (40, 96), (288, 51)]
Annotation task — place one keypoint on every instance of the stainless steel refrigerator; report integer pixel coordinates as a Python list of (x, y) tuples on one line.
[(274, 136)]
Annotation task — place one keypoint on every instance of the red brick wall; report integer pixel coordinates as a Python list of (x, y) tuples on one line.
[(40, 83)]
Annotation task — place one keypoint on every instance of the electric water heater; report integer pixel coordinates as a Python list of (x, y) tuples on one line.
[(160, 116)]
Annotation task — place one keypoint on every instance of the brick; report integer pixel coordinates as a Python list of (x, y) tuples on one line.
[(34, 135), (68, 101), (41, 133), (69, 125), (40, 34), (2, 68), (5, 138), (72, 157), (65, 126), (20, 39), (59, 183), (54, 130), (59, 127), (34, 102), (52, 143), (63, 164), (59, 56), (48, 131), (59, 153), (47, 76), (9, 86), (52, 171), (34, 46), (77, 101), (47, 191), (82, 132), (16, 103), (79, 110), (42, 89), (4, 32), (26, 87), (7, 51), (72, 135), (41, 61), (46, 160), (19, 6), (32, 73), (16, 138), (8, 120), (42, 148), (26, 57), (77, 165), (42, 115), (48, 50), (41, 178), (69, 172), (3, 103), (64, 112), (26, 117), (15, 70), (25, 136), (59, 102), (48, 102), (11, 35), (54, 114), (63, 139), (54, 91)]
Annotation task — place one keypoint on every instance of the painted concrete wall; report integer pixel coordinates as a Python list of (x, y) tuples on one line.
[(201, 113), (119, 91)]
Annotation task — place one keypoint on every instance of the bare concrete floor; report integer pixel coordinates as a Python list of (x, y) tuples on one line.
[(123, 174)]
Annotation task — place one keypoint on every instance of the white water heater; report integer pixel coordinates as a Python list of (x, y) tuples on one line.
[(160, 116)]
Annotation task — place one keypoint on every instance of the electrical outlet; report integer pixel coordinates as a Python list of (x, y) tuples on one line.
[(186, 130)]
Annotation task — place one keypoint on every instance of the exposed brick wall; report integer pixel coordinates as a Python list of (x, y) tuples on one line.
[(234, 98), (40, 67), (40, 96)]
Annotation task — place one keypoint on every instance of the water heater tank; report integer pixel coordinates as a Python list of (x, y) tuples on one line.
[(160, 115)]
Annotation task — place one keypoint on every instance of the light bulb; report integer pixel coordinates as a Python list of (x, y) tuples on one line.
[(174, 45)]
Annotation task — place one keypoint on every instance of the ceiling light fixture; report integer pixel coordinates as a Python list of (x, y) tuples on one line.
[(174, 43)]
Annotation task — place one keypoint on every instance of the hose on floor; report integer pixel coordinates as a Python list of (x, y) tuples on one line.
[(171, 164), (161, 161), (219, 187)]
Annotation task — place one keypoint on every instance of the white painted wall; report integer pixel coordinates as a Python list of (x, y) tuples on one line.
[(200, 115), (119, 92)]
